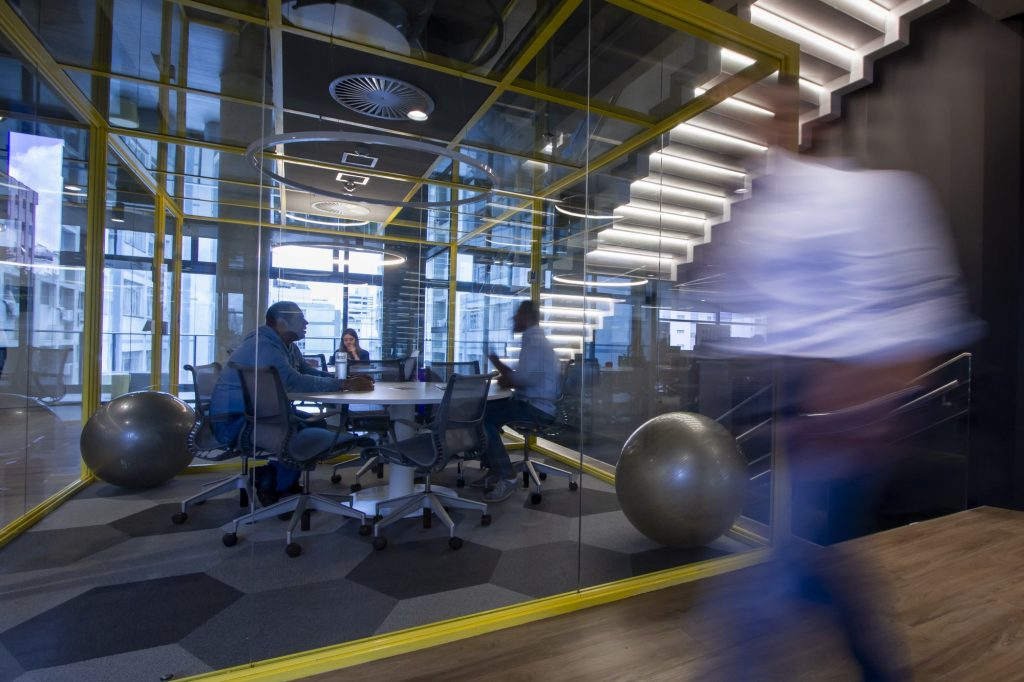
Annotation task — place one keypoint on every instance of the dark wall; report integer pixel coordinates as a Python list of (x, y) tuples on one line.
[(948, 107)]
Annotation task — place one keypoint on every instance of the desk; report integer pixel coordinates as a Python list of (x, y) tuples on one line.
[(400, 398)]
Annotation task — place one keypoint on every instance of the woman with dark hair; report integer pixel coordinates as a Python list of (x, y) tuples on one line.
[(350, 346)]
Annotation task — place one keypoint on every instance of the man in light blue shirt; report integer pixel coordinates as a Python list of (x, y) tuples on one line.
[(272, 344), (536, 381)]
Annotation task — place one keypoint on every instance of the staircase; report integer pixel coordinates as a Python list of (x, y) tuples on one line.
[(706, 163)]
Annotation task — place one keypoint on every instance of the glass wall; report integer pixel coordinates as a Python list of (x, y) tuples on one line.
[(43, 175), (537, 175)]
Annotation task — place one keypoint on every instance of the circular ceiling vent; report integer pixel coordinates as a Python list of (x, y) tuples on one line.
[(341, 208), (380, 96)]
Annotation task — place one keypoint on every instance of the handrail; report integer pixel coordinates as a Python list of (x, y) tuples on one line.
[(947, 363), (934, 424), (743, 402), (941, 390), (746, 434)]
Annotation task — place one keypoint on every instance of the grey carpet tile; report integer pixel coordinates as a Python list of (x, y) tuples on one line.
[(19, 606), (156, 520), (116, 619), (432, 608), (661, 558), (288, 620), (413, 569), (147, 665), (611, 530), (265, 566), (10, 669), (558, 499), (52, 549), (544, 570), (78, 513), (515, 526)]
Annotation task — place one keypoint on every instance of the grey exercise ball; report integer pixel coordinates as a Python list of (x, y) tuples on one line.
[(28, 425), (138, 440), (681, 479)]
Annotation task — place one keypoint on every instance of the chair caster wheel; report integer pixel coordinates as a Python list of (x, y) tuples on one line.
[(485, 520), (293, 550), (179, 518), (574, 486), (461, 483), (380, 543), (455, 543), (543, 476), (355, 487), (365, 529), (230, 539), (535, 498), (335, 479)]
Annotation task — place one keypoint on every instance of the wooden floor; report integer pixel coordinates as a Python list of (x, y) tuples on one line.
[(952, 590)]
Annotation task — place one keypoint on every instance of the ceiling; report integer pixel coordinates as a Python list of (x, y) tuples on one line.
[(535, 90)]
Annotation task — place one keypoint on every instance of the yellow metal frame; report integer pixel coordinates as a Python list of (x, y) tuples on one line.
[(691, 16)]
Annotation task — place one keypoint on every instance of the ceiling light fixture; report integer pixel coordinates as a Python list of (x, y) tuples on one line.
[(417, 115), (254, 153), (589, 216), (326, 223), (73, 188), (608, 281)]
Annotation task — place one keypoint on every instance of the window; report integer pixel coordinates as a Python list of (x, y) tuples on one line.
[(46, 292)]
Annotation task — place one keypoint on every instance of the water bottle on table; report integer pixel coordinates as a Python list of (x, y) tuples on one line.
[(341, 365)]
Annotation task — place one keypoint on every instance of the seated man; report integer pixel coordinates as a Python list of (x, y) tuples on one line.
[(536, 384), (273, 344)]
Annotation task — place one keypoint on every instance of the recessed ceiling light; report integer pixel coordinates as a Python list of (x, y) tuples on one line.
[(417, 115), (73, 188), (117, 220)]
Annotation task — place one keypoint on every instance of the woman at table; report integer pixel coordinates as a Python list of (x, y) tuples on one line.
[(350, 346)]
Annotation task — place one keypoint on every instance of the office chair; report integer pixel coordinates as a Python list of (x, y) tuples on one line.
[(440, 371), (316, 361), (458, 427), (547, 427), (370, 418), (203, 444), (275, 429)]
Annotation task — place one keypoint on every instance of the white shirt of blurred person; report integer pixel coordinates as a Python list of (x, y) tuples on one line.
[(273, 345), (536, 382)]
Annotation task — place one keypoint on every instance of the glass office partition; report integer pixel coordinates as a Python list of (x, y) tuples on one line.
[(43, 194), (415, 189)]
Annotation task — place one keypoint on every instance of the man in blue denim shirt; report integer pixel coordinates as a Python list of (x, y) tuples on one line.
[(535, 380), (272, 345)]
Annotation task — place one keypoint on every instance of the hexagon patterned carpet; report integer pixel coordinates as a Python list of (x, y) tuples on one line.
[(107, 588)]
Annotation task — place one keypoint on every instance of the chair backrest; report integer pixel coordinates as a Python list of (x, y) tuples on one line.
[(45, 372), (267, 408), (379, 370), (316, 361), (441, 371), (459, 421), (204, 378), (201, 439)]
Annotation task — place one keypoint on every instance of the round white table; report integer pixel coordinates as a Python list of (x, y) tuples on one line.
[(400, 398)]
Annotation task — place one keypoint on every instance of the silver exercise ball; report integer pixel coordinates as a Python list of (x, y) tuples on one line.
[(138, 440), (28, 425), (681, 479)]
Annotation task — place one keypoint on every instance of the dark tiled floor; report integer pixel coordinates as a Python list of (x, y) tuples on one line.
[(108, 588)]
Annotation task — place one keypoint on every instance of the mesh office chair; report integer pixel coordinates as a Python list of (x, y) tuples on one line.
[(545, 426), (275, 429), (458, 427), (440, 371), (316, 361), (202, 443), (370, 418)]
